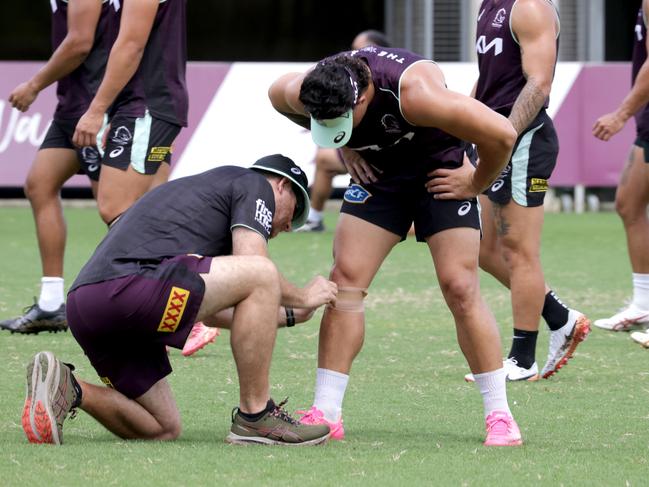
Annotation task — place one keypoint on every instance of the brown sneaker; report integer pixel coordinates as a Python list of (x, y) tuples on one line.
[(276, 427), (51, 395)]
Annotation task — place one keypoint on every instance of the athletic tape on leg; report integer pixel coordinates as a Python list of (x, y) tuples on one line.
[(350, 299)]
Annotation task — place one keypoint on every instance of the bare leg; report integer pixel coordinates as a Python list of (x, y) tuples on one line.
[(118, 190), (152, 416), (631, 200), (49, 171), (455, 253), (251, 284), (328, 165), (519, 229), (359, 249)]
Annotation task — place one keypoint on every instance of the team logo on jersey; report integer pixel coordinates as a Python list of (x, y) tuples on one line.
[(482, 47), (390, 124), (174, 310), (464, 209), (499, 19), (538, 185), (263, 215), (356, 194)]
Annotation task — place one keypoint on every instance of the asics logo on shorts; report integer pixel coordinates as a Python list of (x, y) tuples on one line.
[(356, 194), (116, 152), (174, 310), (497, 185), (464, 209)]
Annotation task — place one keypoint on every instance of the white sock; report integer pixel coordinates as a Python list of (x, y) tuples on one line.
[(314, 215), (493, 390), (641, 290), (52, 296), (330, 389)]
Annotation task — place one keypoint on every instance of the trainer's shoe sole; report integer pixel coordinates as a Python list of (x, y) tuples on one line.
[(235, 439), (38, 420), (582, 329)]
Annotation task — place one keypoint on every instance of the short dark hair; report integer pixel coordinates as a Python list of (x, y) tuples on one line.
[(377, 38), (326, 90)]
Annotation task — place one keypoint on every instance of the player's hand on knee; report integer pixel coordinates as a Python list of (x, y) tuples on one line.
[(453, 184), (318, 292)]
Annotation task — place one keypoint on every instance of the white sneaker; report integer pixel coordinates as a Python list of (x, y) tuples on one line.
[(514, 372), (564, 341), (630, 318), (641, 337)]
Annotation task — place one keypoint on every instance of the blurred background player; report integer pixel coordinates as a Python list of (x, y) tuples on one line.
[(395, 121), (517, 43), (81, 40), (328, 162), (632, 196)]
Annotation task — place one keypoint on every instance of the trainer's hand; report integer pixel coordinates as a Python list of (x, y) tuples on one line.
[(303, 314), (608, 125), (357, 167), (453, 184), (318, 292), (23, 96), (88, 127)]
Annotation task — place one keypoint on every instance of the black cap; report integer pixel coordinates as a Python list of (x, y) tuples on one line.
[(282, 165)]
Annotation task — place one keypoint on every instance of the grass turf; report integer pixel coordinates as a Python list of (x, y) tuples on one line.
[(410, 418)]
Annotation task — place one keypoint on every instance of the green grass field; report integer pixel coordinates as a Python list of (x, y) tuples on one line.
[(410, 418)]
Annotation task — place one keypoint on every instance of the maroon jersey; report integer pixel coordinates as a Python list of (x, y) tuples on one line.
[(499, 57), (638, 59), (400, 151), (76, 90), (159, 83)]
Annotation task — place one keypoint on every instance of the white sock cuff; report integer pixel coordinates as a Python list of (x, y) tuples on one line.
[(326, 376), (46, 279), (315, 215), (641, 280), (491, 380)]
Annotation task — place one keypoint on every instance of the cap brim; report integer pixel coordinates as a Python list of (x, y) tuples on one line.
[(301, 210), (334, 132)]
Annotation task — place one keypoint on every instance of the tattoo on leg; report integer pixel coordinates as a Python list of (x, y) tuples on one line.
[(502, 226), (624, 178)]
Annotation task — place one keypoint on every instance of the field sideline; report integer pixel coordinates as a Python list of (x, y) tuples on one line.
[(410, 419)]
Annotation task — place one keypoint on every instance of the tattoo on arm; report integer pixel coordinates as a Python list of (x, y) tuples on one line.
[(527, 106)]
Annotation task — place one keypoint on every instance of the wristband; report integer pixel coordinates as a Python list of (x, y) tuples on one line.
[(290, 316)]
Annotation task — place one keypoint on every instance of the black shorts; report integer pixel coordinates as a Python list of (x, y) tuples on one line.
[(644, 145), (59, 136), (143, 143), (525, 178), (124, 324), (396, 211)]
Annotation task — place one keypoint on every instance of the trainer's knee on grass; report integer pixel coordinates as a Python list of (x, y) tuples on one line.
[(170, 430)]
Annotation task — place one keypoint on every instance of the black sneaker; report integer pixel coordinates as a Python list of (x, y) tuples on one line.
[(36, 320), (276, 427)]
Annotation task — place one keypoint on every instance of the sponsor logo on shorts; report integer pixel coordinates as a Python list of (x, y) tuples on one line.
[(538, 185), (158, 154), (173, 313), (357, 194), (464, 209), (263, 215), (122, 136), (116, 152), (107, 382)]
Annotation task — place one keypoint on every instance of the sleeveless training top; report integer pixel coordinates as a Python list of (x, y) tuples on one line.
[(385, 139), (76, 90), (160, 77), (499, 57), (638, 59)]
